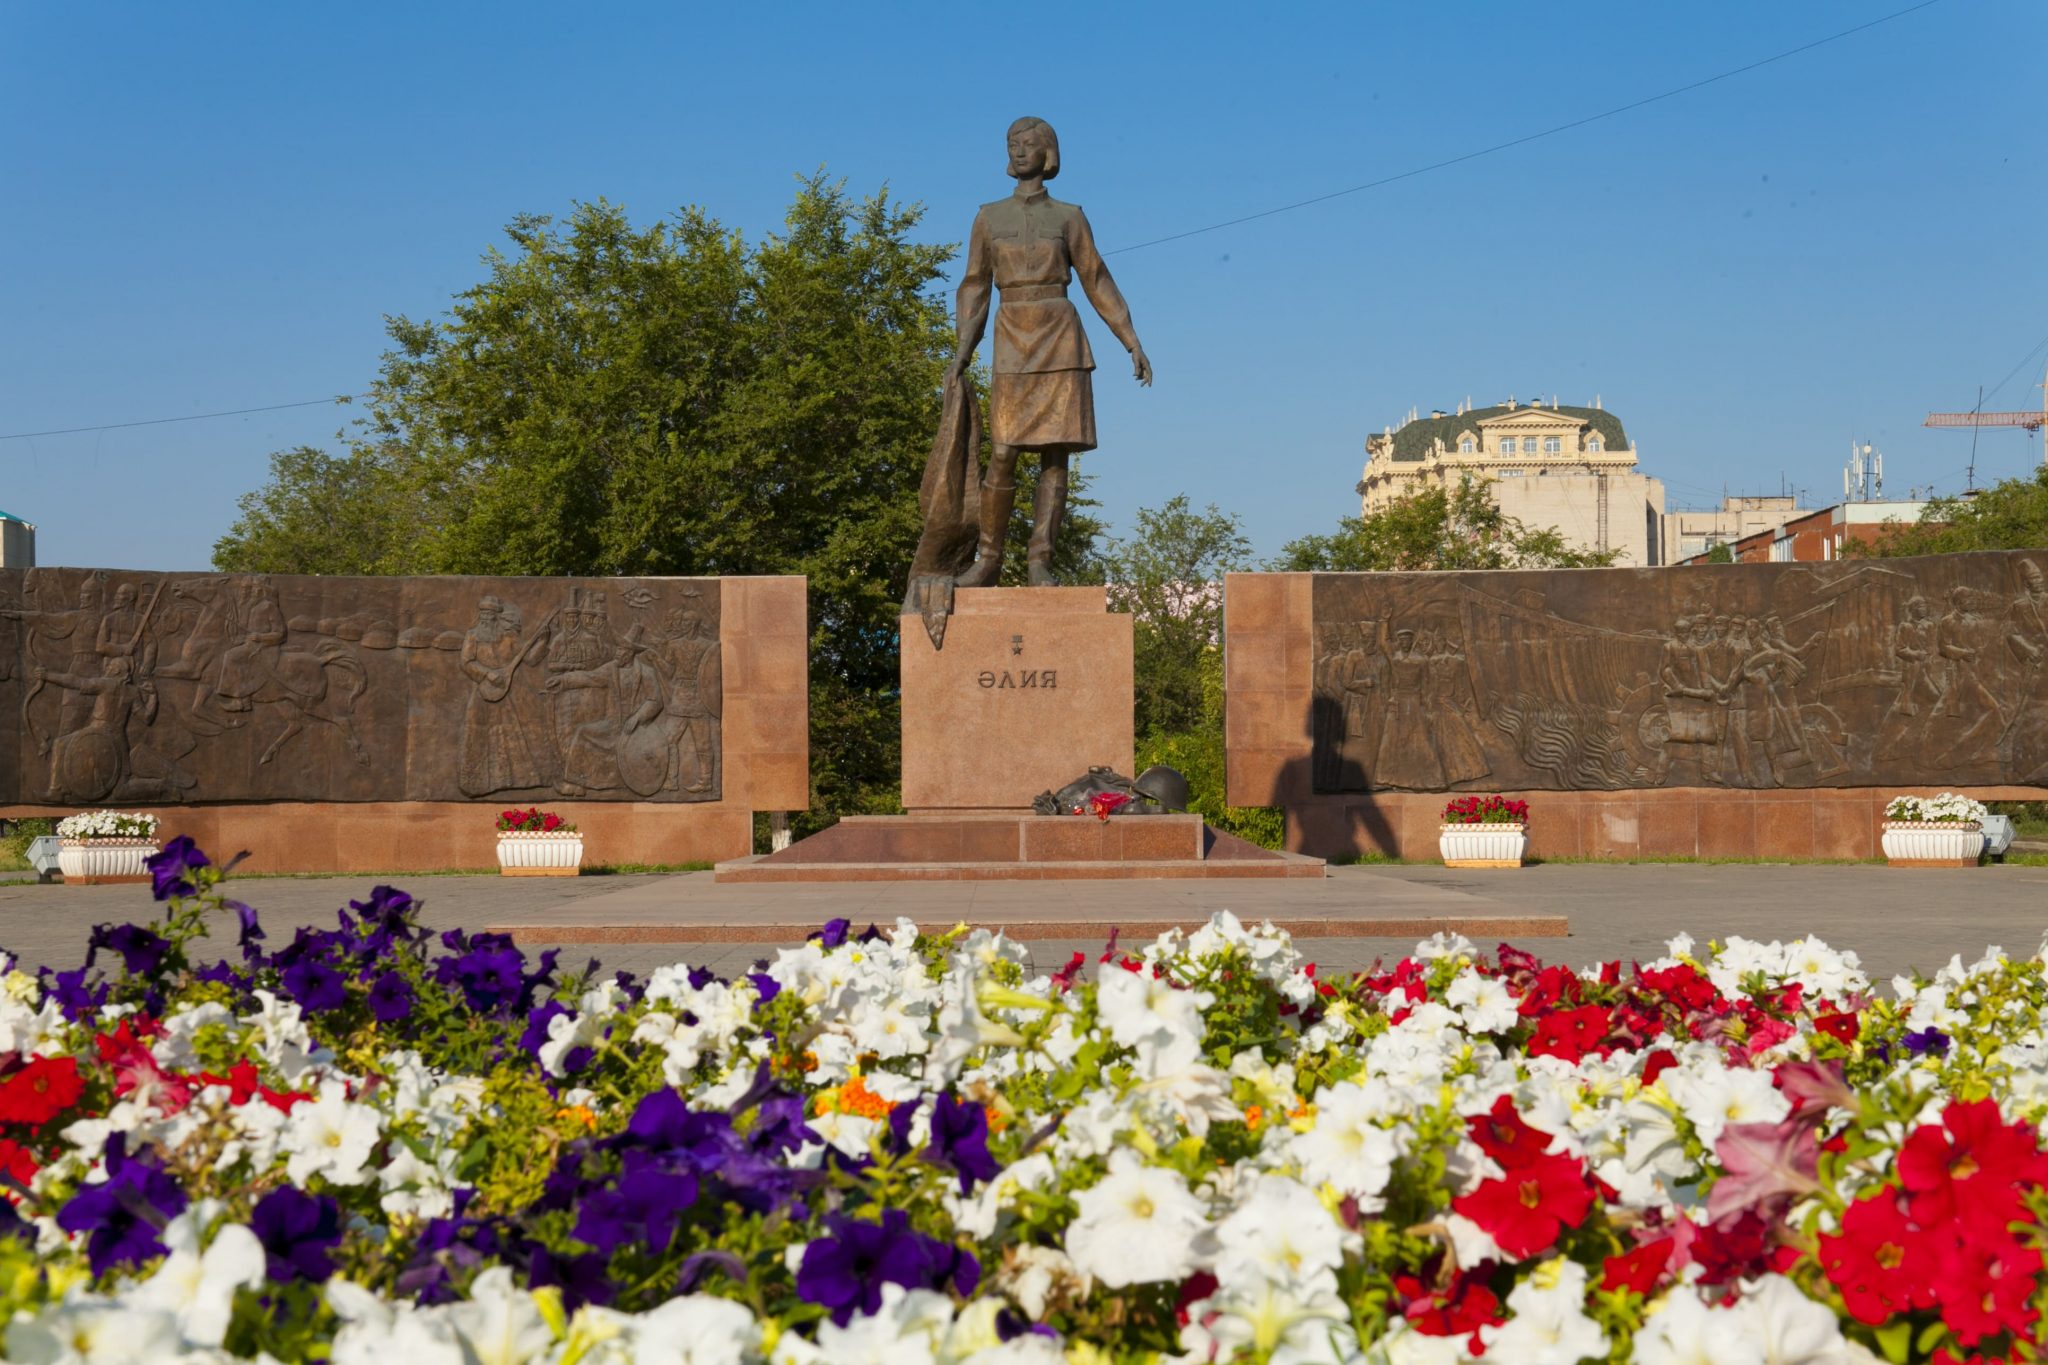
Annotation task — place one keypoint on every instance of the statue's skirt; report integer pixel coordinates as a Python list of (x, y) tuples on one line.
[(1048, 410)]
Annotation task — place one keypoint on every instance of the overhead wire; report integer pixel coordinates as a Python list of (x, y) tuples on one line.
[(1410, 174), (1525, 140), (337, 400)]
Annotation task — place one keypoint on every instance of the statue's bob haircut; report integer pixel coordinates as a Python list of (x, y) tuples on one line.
[(1046, 135)]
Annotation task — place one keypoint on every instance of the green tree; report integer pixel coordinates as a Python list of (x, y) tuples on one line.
[(663, 400), (1168, 574), (321, 514), (1438, 528), (1721, 553), (2010, 515)]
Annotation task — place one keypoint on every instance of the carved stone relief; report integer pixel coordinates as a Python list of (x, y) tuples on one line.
[(146, 688), (1771, 675)]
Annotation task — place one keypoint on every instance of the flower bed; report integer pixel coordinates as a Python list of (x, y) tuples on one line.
[(1933, 831), (1483, 831), (100, 846), (390, 1144)]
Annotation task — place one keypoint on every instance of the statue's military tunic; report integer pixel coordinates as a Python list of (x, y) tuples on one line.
[(1040, 397)]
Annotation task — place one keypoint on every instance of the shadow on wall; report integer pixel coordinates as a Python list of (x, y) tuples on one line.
[(1340, 826)]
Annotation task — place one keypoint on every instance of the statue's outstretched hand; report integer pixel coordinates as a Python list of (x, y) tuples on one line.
[(1140, 366)]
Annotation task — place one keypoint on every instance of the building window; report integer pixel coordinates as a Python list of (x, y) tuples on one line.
[(1552, 445), (1507, 445), (1465, 446), (1595, 445)]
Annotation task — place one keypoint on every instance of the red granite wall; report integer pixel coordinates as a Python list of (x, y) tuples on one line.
[(764, 641), (1267, 673)]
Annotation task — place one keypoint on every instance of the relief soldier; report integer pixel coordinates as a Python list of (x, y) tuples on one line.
[(689, 661)]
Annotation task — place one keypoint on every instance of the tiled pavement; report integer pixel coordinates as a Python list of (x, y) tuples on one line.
[(1895, 919)]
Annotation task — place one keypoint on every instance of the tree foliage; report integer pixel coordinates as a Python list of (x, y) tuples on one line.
[(2010, 515), (1168, 573), (669, 399), (1438, 528)]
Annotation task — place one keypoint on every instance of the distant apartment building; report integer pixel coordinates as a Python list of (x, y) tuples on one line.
[(1693, 532), (1814, 537), (1548, 466), (17, 543)]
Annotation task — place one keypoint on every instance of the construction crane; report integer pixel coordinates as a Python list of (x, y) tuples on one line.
[(2031, 421)]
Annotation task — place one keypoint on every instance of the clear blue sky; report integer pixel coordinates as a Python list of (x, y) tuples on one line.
[(212, 206)]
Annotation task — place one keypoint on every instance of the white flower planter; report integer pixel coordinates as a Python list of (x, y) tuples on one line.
[(1482, 845), (92, 862), (1925, 845), (523, 853)]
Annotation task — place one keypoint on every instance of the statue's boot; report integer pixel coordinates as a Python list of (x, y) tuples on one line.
[(997, 501), (1050, 510)]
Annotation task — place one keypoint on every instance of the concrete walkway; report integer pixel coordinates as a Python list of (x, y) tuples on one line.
[(1896, 919)]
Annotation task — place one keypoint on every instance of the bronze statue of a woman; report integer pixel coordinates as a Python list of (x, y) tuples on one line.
[(1040, 397)]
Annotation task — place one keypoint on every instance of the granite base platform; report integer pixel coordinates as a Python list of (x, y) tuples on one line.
[(1007, 846)]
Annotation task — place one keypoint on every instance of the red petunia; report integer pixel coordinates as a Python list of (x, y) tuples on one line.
[(1843, 1028), (1656, 1064), (1881, 1263), (1969, 1166), (1640, 1269), (1526, 1210), (1986, 1287), (40, 1091), (1684, 985), (17, 1163), (1460, 1310), (1571, 1034), (1502, 1135)]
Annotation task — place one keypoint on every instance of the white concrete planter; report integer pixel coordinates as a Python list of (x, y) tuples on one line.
[(525, 853), (1482, 845), (1922, 845), (85, 862)]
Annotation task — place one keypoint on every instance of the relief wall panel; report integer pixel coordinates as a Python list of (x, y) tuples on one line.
[(141, 689), (1902, 672)]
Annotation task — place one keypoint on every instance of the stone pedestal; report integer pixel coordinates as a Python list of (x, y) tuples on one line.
[(1033, 688)]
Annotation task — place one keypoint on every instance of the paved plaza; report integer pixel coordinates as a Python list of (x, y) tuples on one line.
[(1896, 919)]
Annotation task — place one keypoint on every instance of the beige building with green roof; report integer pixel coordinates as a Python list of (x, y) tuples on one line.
[(1547, 465)]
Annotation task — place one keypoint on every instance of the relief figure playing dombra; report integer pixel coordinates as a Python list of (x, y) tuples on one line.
[(502, 745), (1040, 398)]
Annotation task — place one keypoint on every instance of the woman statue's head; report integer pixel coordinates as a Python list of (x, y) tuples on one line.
[(1034, 149)]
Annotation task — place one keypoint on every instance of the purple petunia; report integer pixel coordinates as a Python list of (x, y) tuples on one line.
[(122, 1215), (167, 869), (297, 1231), (391, 998), (142, 950), (1924, 1041), (314, 984), (844, 1272)]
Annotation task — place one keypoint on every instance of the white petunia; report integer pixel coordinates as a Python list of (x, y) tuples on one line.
[(1549, 1326), (1138, 1224), (1483, 1003), (198, 1287), (93, 1332), (1347, 1148), (499, 1323), (331, 1137), (1281, 1233), (1714, 1096), (1681, 1330), (1160, 1021)]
